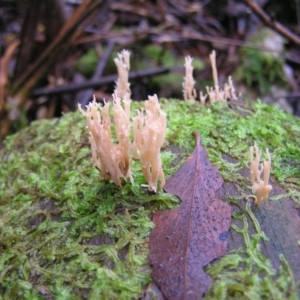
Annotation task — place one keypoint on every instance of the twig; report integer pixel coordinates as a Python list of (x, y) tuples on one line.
[(28, 37), (4, 63), (65, 37), (298, 12), (143, 10), (161, 34), (55, 17), (96, 82), (40, 67), (189, 33), (85, 97), (272, 24), (132, 33)]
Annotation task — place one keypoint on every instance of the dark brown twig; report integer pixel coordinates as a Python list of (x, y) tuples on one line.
[(28, 37), (145, 10), (55, 17), (188, 33), (132, 33), (272, 24), (95, 82), (4, 64), (67, 34), (85, 97), (161, 34), (23, 86)]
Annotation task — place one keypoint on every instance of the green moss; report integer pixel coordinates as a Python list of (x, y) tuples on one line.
[(227, 131), (247, 273), (66, 234), (262, 68), (87, 63), (157, 55)]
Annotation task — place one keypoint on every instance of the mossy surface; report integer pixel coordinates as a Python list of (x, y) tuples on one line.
[(263, 68), (64, 234)]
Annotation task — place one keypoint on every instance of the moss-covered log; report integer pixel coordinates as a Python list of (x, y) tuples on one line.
[(64, 234)]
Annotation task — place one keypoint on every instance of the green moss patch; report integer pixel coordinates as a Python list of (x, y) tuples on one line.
[(65, 234)]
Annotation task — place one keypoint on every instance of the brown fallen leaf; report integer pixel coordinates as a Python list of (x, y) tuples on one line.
[(187, 238)]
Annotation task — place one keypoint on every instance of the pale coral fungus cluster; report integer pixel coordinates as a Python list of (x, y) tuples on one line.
[(262, 187), (149, 128), (123, 65), (213, 93), (189, 92), (112, 160)]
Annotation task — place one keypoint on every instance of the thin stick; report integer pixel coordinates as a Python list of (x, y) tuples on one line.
[(272, 24), (64, 38), (85, 97), (95, 83)]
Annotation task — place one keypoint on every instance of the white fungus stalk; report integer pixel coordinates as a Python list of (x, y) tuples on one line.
[(189, 91), (149, 130), (123, 65)]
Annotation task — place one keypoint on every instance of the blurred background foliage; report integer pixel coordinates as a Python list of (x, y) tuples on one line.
[(56, 53)]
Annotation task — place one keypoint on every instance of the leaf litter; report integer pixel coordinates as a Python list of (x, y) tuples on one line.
[(192, 235)]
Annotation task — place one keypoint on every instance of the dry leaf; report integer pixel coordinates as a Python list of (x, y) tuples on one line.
[(187, 238)]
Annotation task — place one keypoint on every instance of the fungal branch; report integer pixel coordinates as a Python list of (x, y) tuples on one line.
[(149, 130), (262, 187), (111, 159), (189, 92), (214, 93), (123, 66)]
